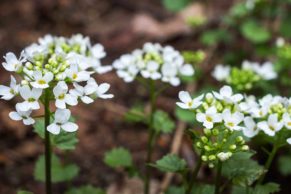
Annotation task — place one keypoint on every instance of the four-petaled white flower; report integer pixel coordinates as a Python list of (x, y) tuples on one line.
[(271, 126), (77, 76), (250, 130), (287, 120), (30, 96), (221, 72), (209, 117), (98, 90), (7, 93), (41, 81), (225, 94), (19, 115), (84, 92), (232, 120), (61, 121), (62, 96), (187, 102), (12, 63), (151, 71)]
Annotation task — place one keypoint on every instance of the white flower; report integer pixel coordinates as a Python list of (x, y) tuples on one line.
[(232, 120), (101, 89), (225, 94), (47, 40), (271, 126), (151, 71), (34, 50), (289, 140), (169, 73), (128, 74), (186, 70), (251, 128), (223, 156), (12, 63), (248, 104), (221, 72), (187, 102), (84, 92), (19, 115), (258, 112), (31, 97), (266, 71), (61, 121), (98, 51), (280, 42), (209, 117), (76, 75), (7, 93), (41, 81), (287, 120), (62, 97)]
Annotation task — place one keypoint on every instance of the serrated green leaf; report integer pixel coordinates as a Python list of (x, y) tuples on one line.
[(59, 171), (175, 190), (64, 140), (118, 157), (135, 114), (203, 189), (171, 163), (255, 32), (163, 122), (212, 37), (267, 188), (24, 192), (242, 170), (175, 5), (284, 165), (88, 189)]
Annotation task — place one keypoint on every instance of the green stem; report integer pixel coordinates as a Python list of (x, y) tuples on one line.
[(47, 144), (152, 137), (194, 175), (218, 176), (268, 163)]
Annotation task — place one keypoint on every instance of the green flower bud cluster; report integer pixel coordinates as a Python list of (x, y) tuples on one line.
[(277, 108), (242, 79), (194, 57), (152, 56), (284, 52), (219, 144)]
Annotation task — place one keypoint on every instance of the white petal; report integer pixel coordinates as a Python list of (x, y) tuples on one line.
[(15, 116), (23, 106), (36, 93), (226, 91), (71, 100), (289, 140), (182, 105), (28, 121), (70, 127), (25, 92), (200, 117), (34, 105), (60, 104), (86, 99), (48, 77), (54, 128), (104, 87), (185, 96), (62, 115)]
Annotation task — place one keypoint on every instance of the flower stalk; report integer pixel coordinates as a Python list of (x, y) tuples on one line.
[(194, 175), (218, 177), (47, 143)]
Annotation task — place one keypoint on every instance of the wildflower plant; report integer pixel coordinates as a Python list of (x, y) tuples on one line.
[(54, 71), (247, 77), (155, 67)]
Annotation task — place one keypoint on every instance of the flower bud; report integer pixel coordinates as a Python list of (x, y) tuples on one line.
[(204, 158), (24, 82), (212, 157), (207, 131), (245, 148), (199, 144), (215, 132), (239, 139), (204, 139), (232, 147), (223, 156)]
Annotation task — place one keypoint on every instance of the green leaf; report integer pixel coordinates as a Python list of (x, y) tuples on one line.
[(203, 189), (241, 169), (118, 157), (170, 163), (163, 122), (175, 190), (64, 140), (212, 37), (24, 192), (135, 114), (175, 5), (60, 172), (185, 115), (284, 165), (255, 32), (88, 189), (267, 188)]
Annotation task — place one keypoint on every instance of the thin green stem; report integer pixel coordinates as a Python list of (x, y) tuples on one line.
[(194, 175), (218, 177), (268, 163), (47, 145), (152, 137)]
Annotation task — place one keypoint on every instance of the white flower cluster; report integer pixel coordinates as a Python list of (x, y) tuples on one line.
[(269, 114), (48, 67), (265, 71), (154, 62), (219, 108)]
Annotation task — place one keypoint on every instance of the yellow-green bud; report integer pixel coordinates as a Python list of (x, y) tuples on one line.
[(245, 148), (204, 158), (204, 139), (232, 147)]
